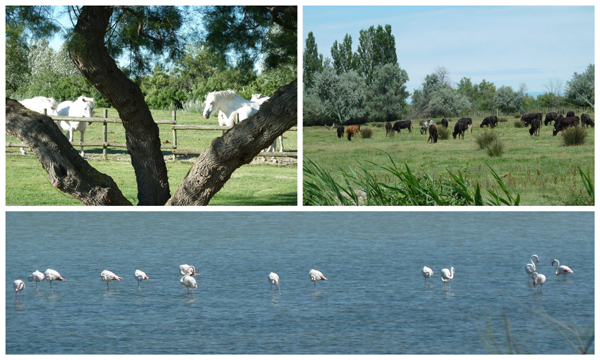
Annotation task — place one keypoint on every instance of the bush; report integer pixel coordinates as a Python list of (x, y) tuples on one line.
[(574, 136), (443, 133), (377, 124), (517, 116), (366, 133), (495, 149), (502, 119), (485, 138), (519, 124)]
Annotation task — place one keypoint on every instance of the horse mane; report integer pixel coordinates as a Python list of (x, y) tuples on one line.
[(223, 94)]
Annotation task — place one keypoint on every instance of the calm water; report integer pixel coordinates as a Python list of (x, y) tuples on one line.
[(375, 301)]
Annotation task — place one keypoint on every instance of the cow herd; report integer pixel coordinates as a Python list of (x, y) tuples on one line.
[(465, 124), (560, 122)]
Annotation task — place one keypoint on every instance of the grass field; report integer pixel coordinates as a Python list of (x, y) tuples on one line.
[(541, 169), (257, 184)]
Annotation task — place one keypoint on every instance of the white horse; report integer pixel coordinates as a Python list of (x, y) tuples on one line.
[(39, 104), (82, 107), (232, 109)]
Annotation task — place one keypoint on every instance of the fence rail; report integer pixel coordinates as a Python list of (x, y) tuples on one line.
[(105, 144)]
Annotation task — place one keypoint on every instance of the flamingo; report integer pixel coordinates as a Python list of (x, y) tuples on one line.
[(561, 269), (109, 276), (316, 275), (52, 275), (190, 283), (538, 279), (36, 276), (186, 269), (274, 280), (427, 273), (530, 268), (18, 285), (447, 275), (140, 276)]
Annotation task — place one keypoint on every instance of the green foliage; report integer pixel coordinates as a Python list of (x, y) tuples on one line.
[(17, 71), (447, 102), (495, 148), (341, 96), (580, 89), (480, 95), (310, 113), (253, 30), (519, 123), (485, 138), (366, 133), (574, 136), (313, 61), (387, 93), (507, 100), (406, 188), (443, 133), (343, 58), (502, 119), (376, 47)]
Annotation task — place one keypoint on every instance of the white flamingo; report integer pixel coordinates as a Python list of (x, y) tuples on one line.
[(274, 280), (140, 276), (186, 269), (190, 283), (538, 279), (561, 269), (447, 275), (530, 268), (52, 275), (36, 276), (427, 273), (18, 285), (109, 276), (316, 275)]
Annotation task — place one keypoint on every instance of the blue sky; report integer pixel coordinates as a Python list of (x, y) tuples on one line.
[(506, 45)]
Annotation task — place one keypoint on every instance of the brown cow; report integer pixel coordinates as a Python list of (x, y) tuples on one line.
[(564, 122), (352, 130), (586, 120), (536, 124), (388, 128), (433, 135)]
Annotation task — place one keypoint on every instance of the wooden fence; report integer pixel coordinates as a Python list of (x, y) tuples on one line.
[(105, 144)]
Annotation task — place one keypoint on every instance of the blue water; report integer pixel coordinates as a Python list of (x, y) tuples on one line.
[(375, 301)]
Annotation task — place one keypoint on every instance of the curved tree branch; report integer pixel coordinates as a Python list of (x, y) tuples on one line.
[(67, 171)]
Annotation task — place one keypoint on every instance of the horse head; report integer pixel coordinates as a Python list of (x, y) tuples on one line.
[(210, 105)]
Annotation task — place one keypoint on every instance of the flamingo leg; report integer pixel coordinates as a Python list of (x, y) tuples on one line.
[(278, 283), (36, 288), (51, 290), (271, 289), (315, 284)]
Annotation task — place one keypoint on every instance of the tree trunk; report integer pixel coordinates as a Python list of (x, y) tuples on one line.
[(67, 171), (88, 52), (238, 146)]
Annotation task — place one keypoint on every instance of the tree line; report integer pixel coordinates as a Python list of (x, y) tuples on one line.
[(369, 85)]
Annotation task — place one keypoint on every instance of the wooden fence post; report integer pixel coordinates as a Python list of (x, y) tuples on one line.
[(105, 136), (174, 135)]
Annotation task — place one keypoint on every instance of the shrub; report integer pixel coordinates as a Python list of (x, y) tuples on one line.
[(485, 138), (376, 124), (443, 133), (519, 124), (517, 116), (574, 136), (502, 119), (495, 149), (366, 133)]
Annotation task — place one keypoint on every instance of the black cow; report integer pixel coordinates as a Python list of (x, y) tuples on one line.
[(550, 117), (492, 121), (460, 128), (536, 124), (406, 124), (340, 131), (528, 117), (445, 123), (467, 121), (433, 135), (564, 122), (586, 120), (388, 128), (570, 114)]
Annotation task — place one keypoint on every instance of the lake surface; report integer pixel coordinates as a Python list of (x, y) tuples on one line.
[(375, 301)]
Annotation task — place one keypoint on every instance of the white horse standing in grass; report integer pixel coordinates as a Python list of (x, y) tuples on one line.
[(39, 104), (232, 109), (82, 107)]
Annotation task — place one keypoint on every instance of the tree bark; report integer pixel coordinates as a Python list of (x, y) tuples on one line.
[(238, 146), (67, 171), (88, 52)]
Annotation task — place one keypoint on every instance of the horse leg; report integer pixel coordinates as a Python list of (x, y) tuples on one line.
[(281, 143), (82, 132)]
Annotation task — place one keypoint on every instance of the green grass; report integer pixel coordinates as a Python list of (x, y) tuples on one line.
[(262, 184), (540, 169)]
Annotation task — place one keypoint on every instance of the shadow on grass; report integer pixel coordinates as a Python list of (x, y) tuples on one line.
[(285, 199)]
